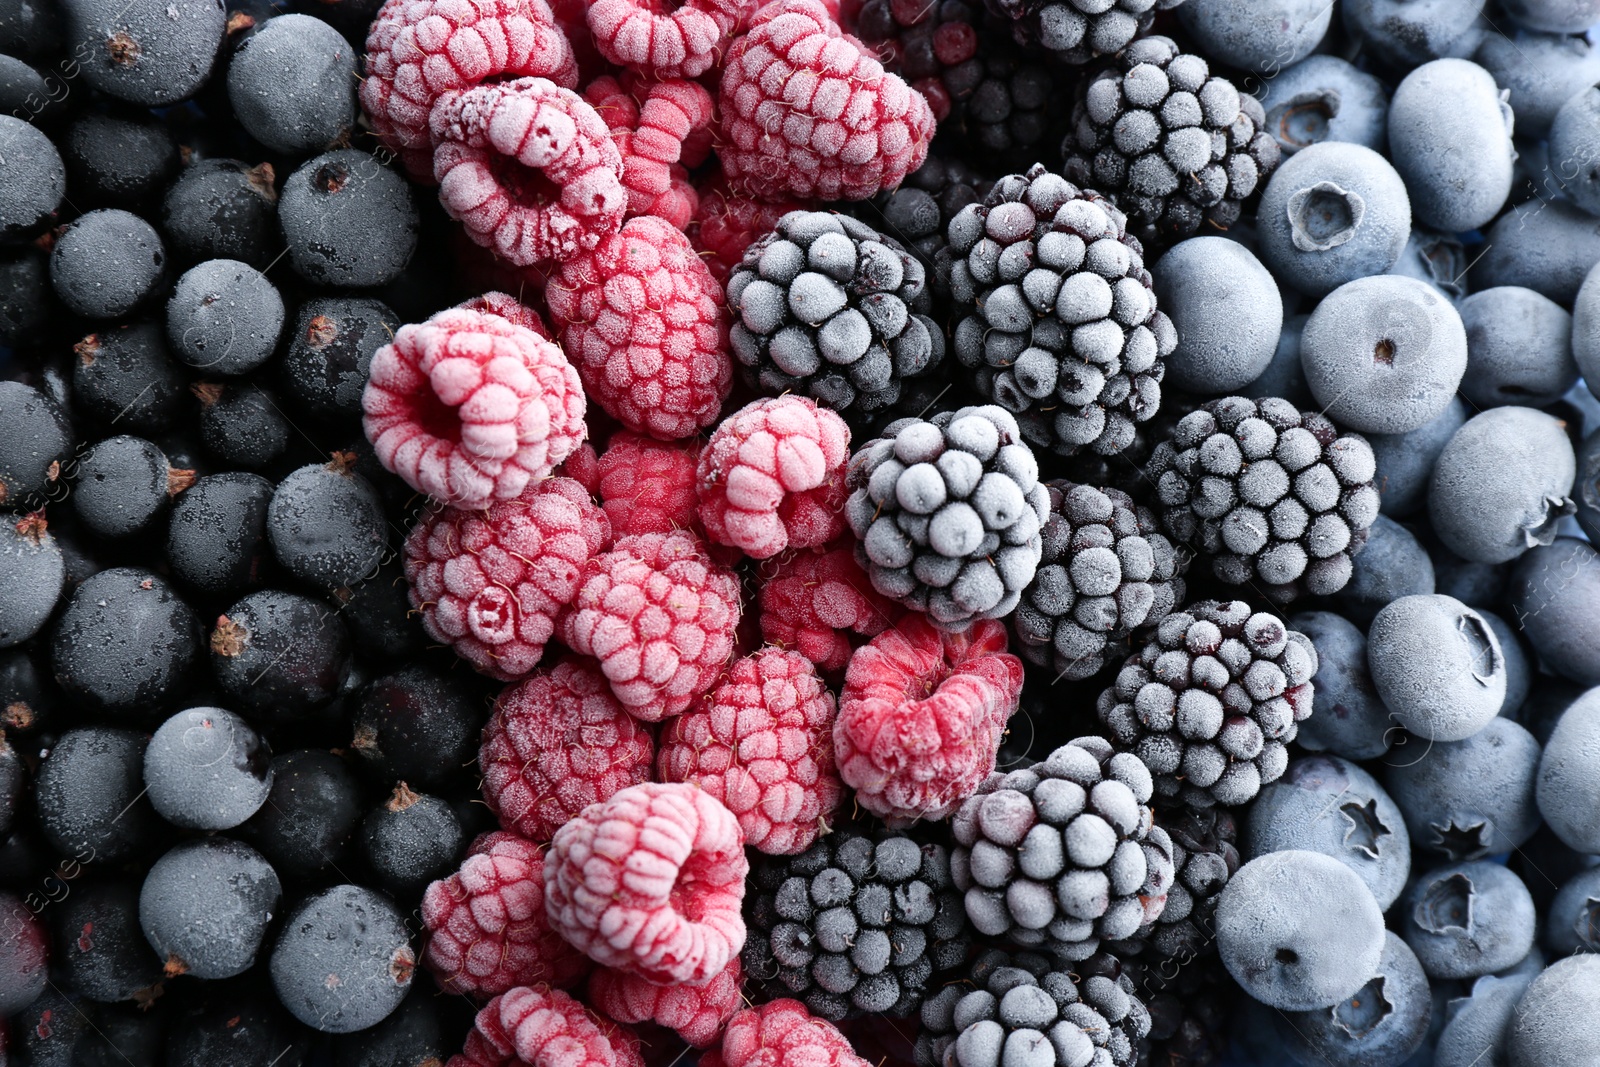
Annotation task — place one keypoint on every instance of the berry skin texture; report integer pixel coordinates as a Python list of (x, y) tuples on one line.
[(469, 407), (343, 961), (205, 906), (772, 477), (781, 1033), (725, 223), (921, 717), (491, 583), (557, 743), (663, 42), (546, 1028), (762, 744), (696, 1013), (641, 318), (648, 486), (418, 50), (660, 617), (651, 133), (487, 927), (816, 602), (808, 111), (651, 882)]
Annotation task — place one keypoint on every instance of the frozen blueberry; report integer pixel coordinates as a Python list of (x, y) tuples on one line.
[(1554, 16), (349, 220), (1437, 666), (1227, 312), (329, 349), (310, 814), (125, 379), (1586, 330), (205, 907), (123, 483), (1519, 348), (1554, 589), (326, 524), (1323, 98), (1573, 922), (1284, 377), (292, 84), (223, 209), (1440, 259), (1519, 668), (224, 317), (1404, 33), (217, 532), (90, 795), (24, 954), (1450, 139), (1382, 1023), (1549, 698), (1299, 930), (279, 654), (119, 159), (206, 769), (98, 943), (1502, 484), (1384, 354), (1348, 718), (32, 573), (125, 642), (107, 263), (1467, 919), (1394, 564), (1569, 775), (1544, 245), (1405, 460), (1476, 1030), (411, 839), (1332, 213), (32, 182), (1262, 37), (343, 960), (28, 29), (1471, 798), (1557, 1022), (1586, 486), (147, 54), (1541, 71)]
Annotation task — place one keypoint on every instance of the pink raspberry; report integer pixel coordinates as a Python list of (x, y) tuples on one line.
[(651, 882), (647, 486), (546, 1028), (528, 168), (583, 467), (511, 309), (695, 1013), (642, 319), (762, 743), (651, 137), (662, 39), (487, 928), (725, 224), (816, 601), (659, 616), (921, 716), (781, 1033), (772, 477), (558, 742), (808, 111), (419, 50), (469, 407)]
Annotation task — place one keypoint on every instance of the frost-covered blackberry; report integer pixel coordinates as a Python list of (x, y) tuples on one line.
[(947, 512), (1212, 702), (1064, 853), (1057, 318), (828, 307), (1204, 857), (1271, 495), (1078, 31), (1105, 570)]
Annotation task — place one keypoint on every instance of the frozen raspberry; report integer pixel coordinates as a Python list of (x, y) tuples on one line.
[(651, 136), (660, 617), (696, 1013), (487, 927), (469, 407), (665, 40), (651, 882), (808, 111), (647, 486), (772, 477), (583, 467), (418, 50), (546, 1028), (642, 320), (725, 224), (921, 717), (762, 743), (816, 601), (511, 309), (781, 1033), (528, 168)]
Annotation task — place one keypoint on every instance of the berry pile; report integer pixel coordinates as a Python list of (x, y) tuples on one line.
[(799, 533)]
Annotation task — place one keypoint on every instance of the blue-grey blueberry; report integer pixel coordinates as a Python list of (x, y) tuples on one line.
[(1405, 460), (1586, 329), (1404, 33), (1502, 484), (1284, 377), (1586, 486), (1348, 717), (1519, 348), (1557, 1021), (1226, 309), (1437, 666), (1574, 159), (1519, 666), (1554, 590), (1541, 71), (1323, 98), (1380, 1025), (1450, 139), (1573, 922), (1258, 35), (1440, 259), (1394, 564), (1471, 798), (1545, 245), (1475, 1033), (1467, 919), (1569, 775), (1554, 16)]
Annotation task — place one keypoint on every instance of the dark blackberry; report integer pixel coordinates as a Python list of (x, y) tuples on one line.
[(240, 423), (1175, 146), (1063, 853), (1277, 499), (379, 609), (125, 643), (858, 923), (1056, 314), (827, 306), (326, 524), (947, 514), (205, 906), (24, 954), (25, 293), (1019, 1008), (123, 484), (217, 533), (13, 785), (1212, 701), (918, 212), (223, 209), (410, 840), (280, 654), (1205, 855), (147, 55), (99, 946), (30, 702), (1079, 31), (35, 439), (107, 263), (328, 351), (412, 1037), (310, 814), (292, 85), (1106, 570), (416, 725), (349, 220), (1005, 113), (343, 961), (32, 184), (224, 317), (89, 795), (118, 159), (206, 769), (125, 378), (1191, 1006), (31, 576), (240, 1024)]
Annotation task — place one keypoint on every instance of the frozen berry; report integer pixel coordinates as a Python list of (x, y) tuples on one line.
[(683, 42), (205, 906), (310, 815), (241, 424), (217, 532), (150, 56), (343, 960), (223, 209), (24, 951), (694, 1013), (416, 726), (224, 317), (821, 604), (99, 946), (34, 183), (119, 158), (348, 219), (125, 643), (107, 263), (280, 655), (326, 524), (782, 1033), (126, 379), (123, 485), (328, 351), (411, 1037), (292, 84), (648, 486), (35, 440), (410, 839), (206, 769), (90, 795), (547, 1028), (31, 576)]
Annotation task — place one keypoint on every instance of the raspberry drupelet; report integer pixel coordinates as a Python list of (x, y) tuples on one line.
[(490, 583), (511, 309), (647, 486), (695, 1013), (821, 604), (726, 223), (650, 123), (781, 1033), (537, 1027), (665, 40)]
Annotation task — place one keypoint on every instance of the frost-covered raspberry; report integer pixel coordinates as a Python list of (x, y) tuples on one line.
[(695, 1013), (772, 477), (528, 168), (651, 882), (490, 583), (469, 407), (418, 50), (650, 121), (726, 223), (660, 617), (647, 486), (762, 743), (921, 716), (511, 309), (540, 1027), (558, 742), (781, 1033), (641, 318), (665, 40), (821, 604), (808, 111), (487, 928)]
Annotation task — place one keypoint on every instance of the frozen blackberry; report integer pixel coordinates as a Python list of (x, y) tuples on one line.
[(99, 947), (343, 960), (125, 378), (326, 524), (1211, 702), (1078, 31), (411, 839), (411, 1037), (1204, 855), (123, 484), (855, 924), (1105, 571), (204, 907), (223, 209), (310, 814), (1191, 1008), (279, 654), (224, 317), (32, 184), (118, 159), (147, 54), (89, 795), (919, 211), (947, 514), (1275, 498), (349, 220), (1176, 147), (107, 263), (24, 296), (417, 726), (329, 350), (1019, 1008), (31, 576), (217, 532), (1064, 853), (241, 423), (292, 85), (1056, 315), (125, 643), (35, 438), (828, 307), (206, 769)]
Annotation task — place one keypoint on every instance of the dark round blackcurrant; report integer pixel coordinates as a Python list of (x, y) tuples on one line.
[(217, 534), (417, 726), (410, 840), (310, 815), (89, 795), (125, 643), (280, 654), (326, 524)]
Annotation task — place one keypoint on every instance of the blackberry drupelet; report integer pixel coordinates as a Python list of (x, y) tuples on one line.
[(1191, 1006), (919, 211), (1176, 147), (1056, 316), (1078, 31), (829, 307), (1105, 571), (1269, 494), (1204, 856), (857, 923), (1211, 703)]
